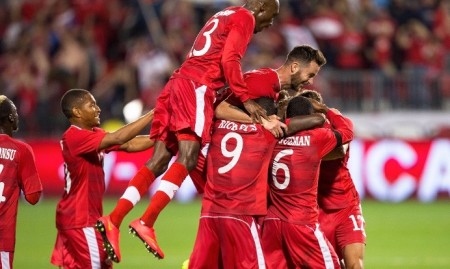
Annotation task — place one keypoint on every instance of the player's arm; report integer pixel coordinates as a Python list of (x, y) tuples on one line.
[(235, 46), (342, 126), (227, 111), (299, 123), (127, 132), (30, 182), (33, 198), (139, 143), (337, 153)]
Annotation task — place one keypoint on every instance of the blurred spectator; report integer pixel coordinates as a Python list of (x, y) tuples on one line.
[(382, 54)]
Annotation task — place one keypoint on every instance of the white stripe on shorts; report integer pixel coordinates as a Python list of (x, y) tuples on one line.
[(327, 258), (4, 256), (200, 110), (259, 252), (94, 253)]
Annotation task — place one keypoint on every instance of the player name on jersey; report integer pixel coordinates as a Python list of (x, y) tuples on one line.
[(225, 13), (301, 141), (229, 125), (7, 154)]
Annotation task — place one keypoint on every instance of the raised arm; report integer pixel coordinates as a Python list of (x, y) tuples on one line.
[(227, 111), (127, 132), (139, 143)]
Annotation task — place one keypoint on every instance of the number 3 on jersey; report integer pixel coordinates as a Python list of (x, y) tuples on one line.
[(233, 154), (2, 186), (207, 35)]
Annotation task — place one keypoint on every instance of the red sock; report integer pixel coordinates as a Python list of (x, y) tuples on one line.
[(141, 181), (176, 175)]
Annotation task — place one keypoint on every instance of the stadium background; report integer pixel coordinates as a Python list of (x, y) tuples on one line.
[(388, 69)]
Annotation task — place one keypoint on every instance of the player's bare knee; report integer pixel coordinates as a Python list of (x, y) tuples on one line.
[(189, 161), (158, 163)]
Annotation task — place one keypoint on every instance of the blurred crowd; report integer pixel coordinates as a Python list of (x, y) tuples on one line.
[(121, 50)]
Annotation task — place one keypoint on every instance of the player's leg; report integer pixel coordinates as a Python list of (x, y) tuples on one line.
[(308, 246), (108, 226), (272, 244), (60, 255), (351, 236), (354, 256), (240, 242), (84, 245), (205, 253), (6, 259), (188, 151)]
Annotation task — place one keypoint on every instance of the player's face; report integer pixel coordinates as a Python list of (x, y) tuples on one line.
[(90, 112), (304, 75), (264, 17), (14, 118)]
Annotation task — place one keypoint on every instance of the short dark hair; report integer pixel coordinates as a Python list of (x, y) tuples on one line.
[(268, 104), (71, 99), (299, 106), (6, 108), (313, 94), (306, 54)]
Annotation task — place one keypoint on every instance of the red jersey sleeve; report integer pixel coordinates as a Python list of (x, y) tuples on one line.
[(262, 82), (85, 141), (342, 125), (29, 177), (239, 37)]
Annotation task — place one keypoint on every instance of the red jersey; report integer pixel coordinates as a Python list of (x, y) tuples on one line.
[(295, 170), (237, 165), (215, 57), (81, 204), (336, 188), (17, 173), (263, 82)]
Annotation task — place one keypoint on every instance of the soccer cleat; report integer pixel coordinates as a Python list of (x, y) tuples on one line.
[(147, 236), (110, 235)]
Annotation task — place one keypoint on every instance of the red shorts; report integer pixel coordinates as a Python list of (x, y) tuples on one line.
[(6, 259), (80, 248), (288, 245), (343, 227), (227, 241), (182, 104)]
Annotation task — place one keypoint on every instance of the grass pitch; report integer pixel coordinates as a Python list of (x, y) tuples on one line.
[(409, 235)]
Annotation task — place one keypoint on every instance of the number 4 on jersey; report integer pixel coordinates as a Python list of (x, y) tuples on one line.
[(2, 187)]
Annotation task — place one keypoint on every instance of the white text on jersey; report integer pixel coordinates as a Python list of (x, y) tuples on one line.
[(229, 125), (224, 13), (7, 154), (303, 140)]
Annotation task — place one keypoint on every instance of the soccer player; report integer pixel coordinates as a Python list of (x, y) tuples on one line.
[(84, 144), (235, 195), (340, 213), (291, 237), (301, 66), (184, 113), (17, 173)]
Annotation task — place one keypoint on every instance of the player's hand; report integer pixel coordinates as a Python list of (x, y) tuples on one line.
[(275, 126), (318, 107), (257, 113)]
